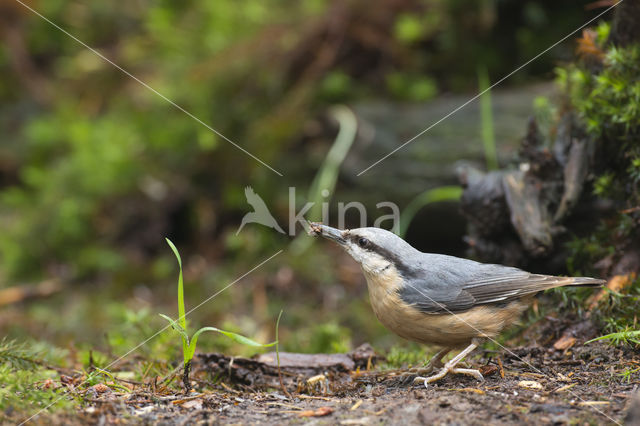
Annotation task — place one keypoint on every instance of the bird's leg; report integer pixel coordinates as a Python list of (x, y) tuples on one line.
[(450, 367), (434, 362), (406, 377)]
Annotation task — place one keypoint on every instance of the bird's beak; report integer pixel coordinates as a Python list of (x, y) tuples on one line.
[(327, 232)]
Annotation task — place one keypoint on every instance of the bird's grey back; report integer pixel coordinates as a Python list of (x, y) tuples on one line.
[(439, 283), (450, 284)]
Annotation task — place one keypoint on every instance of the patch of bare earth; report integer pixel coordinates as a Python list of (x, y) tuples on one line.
[(578, 385)]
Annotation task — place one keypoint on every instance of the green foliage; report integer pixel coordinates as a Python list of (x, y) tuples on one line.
[(105, 141), (411, 87), (23, 377), (486, 115), (634, 170), (608, 102), (327, 176), (408, 355), (621, 337), (18, 356), (618, 313), (584, 250), (24, 390), (606, 98), (628, 374), (409, 28), (180, 325), (129, 327), (330, 337), (545, 112), (94, 169)]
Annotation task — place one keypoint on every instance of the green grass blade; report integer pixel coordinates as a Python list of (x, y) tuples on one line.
[(486, 120), (233, 336), (176, 327), (328, 174), (442, 193), (621, 336), (181, 311)]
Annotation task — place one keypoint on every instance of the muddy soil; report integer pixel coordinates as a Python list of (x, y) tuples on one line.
[(527, 385)]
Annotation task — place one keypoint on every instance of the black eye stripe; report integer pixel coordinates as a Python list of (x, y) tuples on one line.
[(386, 254)]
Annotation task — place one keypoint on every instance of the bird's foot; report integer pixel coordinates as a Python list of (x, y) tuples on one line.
[(407, 377), (446, 370), (450, 367)]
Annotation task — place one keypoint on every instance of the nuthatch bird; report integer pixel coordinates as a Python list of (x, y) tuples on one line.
[(438, 299)]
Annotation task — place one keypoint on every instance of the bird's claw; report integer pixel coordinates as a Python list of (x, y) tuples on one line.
[(444, 371)]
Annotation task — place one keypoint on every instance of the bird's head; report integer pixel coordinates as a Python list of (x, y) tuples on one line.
[(375, 249)]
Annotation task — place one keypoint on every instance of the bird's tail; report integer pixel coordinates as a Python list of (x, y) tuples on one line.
[(582, 281)]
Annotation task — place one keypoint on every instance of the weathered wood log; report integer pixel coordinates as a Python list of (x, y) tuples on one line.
[(548, 190), (262, 370), (537, 196)]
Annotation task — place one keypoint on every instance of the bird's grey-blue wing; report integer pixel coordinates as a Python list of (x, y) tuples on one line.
[(450, 284)]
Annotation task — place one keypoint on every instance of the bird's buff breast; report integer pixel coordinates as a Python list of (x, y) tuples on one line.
[(439, 329)]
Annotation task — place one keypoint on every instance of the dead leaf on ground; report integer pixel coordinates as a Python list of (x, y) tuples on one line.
[(195, 404), (320, 412), (529, 384), (488, 370), (565, 342)]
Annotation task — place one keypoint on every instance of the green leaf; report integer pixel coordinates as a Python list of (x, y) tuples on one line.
[(181, 311), (486, 119), (178, 328), (622, 336), (175, 251), (233, 336)]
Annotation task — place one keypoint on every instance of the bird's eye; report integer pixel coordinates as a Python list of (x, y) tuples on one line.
[(363, 242)]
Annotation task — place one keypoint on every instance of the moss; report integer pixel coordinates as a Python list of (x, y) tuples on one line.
[(606, 97), (604, 90)]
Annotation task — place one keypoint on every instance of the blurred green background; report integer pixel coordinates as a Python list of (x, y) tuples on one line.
[(96, 169)]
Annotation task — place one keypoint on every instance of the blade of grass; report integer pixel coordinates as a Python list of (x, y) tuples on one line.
[(622, 336), (182, 320), (327, 175), (486, 119), (176, 327), (233, 336), (181, 311)]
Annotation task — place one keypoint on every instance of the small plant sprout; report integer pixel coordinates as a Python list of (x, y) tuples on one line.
[(180, 325), (621, 337)]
